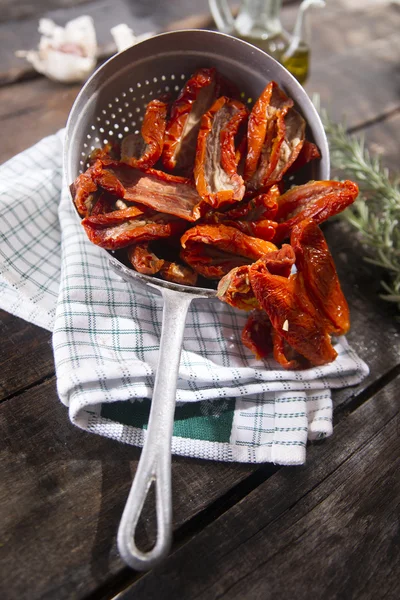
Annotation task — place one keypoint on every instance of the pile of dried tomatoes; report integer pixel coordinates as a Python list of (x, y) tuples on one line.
[(201, 193)]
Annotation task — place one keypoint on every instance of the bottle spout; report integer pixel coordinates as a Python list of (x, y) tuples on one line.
[(296, 57), (301, 27)]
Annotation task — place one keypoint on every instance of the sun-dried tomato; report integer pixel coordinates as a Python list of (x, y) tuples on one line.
[(256, 334), (263, 229), (308, 153), (143, 152), (108, 181), (144, 260), (304, 196), (176, 273), (292, 143), (110, 152), (315, 265), (317, 200), (123, 228), (83, 191), (196, 97), (282, 350), (253, 217), (106, 203), (292, 314), (235, 288), (263, 206), (165, 193), (212, 250), (215, 170), (132, 205), (274, 139)]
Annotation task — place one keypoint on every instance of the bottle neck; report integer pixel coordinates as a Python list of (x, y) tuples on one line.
[(259, 18)]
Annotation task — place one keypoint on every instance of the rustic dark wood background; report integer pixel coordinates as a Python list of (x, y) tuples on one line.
[(328, 529)]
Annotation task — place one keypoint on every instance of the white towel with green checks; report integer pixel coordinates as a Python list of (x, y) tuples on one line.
[(106, 335)]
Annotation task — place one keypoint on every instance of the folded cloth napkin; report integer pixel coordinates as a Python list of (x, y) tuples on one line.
[(231, 407)]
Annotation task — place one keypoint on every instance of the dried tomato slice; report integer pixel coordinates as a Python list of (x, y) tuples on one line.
[(212, 250), (253, 217), (215, 169), (108, 153), (256, 334), (264, 229), (281, 349), (144, 152), (144, 260), (165, 193), (317, 200), (108, 181), (83, 191), (308, 153), (292, 314), (275, 137), (196, 97), (123, 228), (235, 288), (263, 206), (106, 203), (315, 265), (176, 273), (290, 148)]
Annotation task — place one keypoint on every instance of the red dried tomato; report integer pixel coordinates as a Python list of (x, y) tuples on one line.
[(215, 169), (144, 152)]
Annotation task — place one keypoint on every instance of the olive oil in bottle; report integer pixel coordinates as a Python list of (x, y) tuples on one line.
[(297, 63), (296, 57), (274, 45)]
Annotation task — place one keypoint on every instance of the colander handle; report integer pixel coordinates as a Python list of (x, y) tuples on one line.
[(155, 460)]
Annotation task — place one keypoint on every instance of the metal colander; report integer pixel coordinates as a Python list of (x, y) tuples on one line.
[(110, 106)]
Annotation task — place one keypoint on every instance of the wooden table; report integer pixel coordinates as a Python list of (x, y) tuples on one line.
[(329, 529)]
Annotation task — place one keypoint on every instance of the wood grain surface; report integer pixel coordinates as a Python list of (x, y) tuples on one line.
[(328, 529), (325, 530)]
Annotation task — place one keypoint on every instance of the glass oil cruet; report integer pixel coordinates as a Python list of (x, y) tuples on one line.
[(258, 22), (296, 57)]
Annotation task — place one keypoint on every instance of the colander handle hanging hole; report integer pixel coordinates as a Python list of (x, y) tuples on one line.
[(155, 461)]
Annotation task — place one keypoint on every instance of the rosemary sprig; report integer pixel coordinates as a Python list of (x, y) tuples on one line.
[(376, 212)]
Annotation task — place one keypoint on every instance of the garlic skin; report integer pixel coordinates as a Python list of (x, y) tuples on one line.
[(125, 38), (67, 54)]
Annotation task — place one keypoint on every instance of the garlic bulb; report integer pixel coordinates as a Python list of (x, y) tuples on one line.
[(66, 54)]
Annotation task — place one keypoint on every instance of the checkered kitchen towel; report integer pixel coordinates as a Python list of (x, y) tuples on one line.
[(106, 335)]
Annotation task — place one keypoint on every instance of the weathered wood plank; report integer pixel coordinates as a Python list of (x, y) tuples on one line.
[(11, 10), (26, 355), (382, 139), (63, 493), (31, 110), (63, 513), (327, 530), (366, 81)]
